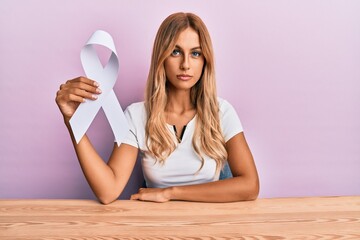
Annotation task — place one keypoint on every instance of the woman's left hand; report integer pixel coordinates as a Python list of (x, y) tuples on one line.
[(152, 195)]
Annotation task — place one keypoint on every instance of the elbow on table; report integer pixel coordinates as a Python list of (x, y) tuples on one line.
[(106, 199), (252, 191), (253, 195)]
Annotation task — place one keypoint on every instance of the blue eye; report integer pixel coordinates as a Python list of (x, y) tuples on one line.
[(196, 54), (176, 52)]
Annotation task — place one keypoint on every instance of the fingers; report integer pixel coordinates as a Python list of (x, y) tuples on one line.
[(74, 98), (74, 92), (73, 95), (139, 195), (151, 195), (85, 81), (83, 84), (135, 197), (81, 93), (77, 90)]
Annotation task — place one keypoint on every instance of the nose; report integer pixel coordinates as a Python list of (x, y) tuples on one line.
[(185, 65)]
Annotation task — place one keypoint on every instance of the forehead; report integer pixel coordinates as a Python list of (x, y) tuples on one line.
[(188, 39)]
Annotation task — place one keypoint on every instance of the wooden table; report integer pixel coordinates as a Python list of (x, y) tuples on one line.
[(281, 218)]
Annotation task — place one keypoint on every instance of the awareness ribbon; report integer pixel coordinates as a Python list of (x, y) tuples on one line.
[(106, 77)]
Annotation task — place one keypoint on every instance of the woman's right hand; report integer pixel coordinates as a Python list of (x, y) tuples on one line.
[(74, 92)]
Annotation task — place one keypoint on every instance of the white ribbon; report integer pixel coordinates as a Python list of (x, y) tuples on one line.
[(106, 77)]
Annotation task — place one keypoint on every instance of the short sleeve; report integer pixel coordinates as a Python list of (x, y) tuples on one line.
[(131, 138), (230, 122)]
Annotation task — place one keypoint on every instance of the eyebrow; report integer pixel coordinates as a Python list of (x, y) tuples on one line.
[(177, 46)]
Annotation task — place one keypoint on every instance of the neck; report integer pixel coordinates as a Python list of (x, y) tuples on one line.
[(179, 102)]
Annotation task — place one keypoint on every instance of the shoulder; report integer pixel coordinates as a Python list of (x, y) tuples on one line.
[(136, 108), (136, 113), (224, 105), (229, 119)]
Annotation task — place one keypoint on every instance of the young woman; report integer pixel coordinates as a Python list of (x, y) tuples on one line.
[(184, 132)]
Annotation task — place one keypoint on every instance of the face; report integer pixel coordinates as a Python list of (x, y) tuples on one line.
[(184, 66)]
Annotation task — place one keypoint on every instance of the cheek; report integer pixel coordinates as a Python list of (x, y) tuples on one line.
[(169, 66), (167, 69), (199, 67)]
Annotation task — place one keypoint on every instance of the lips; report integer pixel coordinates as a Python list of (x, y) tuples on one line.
[(184, 77)]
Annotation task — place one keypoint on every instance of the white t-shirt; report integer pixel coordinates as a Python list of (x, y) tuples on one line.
[(181, 167)]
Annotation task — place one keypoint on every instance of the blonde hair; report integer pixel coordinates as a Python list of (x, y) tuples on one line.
[(207, 138)]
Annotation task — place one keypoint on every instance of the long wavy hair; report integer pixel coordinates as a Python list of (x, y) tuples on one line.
[(207, 138)]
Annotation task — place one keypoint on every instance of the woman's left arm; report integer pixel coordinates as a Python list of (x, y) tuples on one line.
[(243, 186)]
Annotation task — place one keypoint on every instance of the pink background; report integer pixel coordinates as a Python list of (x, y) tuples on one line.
[(290, 68)]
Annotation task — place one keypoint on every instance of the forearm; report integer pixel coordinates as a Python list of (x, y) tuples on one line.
[(228, 190), (97, 173)]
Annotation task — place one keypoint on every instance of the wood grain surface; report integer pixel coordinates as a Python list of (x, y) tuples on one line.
[(281, 218)]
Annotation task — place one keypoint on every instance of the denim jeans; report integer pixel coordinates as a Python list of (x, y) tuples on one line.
[(225, 172)]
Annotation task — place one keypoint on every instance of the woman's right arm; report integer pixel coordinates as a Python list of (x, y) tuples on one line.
[(107, 180)]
